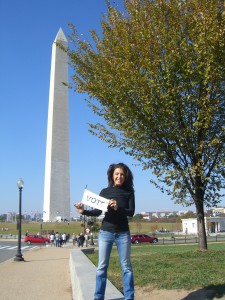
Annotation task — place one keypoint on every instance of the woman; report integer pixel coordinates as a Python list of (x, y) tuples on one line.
[(115, 228)]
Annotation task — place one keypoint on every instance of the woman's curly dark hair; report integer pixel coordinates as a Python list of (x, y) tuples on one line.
[(128, 182)]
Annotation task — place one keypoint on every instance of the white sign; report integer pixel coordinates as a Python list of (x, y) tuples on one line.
[(95, 200)]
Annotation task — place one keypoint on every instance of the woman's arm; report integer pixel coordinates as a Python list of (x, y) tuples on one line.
[(129, 212), (92, 213)]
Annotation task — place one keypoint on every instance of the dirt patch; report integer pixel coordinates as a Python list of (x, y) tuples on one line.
[(146, 293)]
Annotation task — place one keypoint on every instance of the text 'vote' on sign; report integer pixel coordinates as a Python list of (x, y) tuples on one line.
[(94, 200)]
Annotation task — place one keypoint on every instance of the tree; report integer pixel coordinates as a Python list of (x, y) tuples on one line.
[(137, 217), (2, 218), (156, 77), (189, 214)]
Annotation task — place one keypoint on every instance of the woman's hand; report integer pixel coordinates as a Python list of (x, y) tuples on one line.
[(113, 204), (80, 207)]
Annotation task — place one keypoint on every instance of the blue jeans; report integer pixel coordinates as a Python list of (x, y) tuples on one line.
[(105, 243)]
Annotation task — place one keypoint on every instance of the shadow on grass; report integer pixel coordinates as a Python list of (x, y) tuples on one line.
[(209, 292)]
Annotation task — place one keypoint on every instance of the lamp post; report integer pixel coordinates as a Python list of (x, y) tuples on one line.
[(91, 223), (92, 238), (19, 256)]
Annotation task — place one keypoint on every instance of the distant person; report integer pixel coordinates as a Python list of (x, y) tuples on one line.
[(67, 237), (81, 240), (74, 239), (64, 239), (52, 238), (77, 240), (115, 228), (86, 236), (60, 240), (57, 239)]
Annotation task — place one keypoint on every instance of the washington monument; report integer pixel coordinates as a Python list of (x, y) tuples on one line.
[(57, 174)]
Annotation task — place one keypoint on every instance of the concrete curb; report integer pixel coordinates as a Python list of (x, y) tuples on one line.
[(82, 273)]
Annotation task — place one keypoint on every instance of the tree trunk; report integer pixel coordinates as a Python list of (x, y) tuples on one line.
[(201, 226)]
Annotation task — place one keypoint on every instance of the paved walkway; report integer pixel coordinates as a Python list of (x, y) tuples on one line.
[(44, 275)]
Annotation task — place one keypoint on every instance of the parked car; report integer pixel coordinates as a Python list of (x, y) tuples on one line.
[(143, 238), (36, 239)]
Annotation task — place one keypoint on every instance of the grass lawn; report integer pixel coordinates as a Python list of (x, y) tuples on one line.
[(161, 266), (172, 267), (34, 227)]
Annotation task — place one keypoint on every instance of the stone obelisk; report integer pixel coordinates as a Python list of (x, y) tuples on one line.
[(57, 174)]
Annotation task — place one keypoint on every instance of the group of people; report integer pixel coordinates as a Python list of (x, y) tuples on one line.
[(57, 239), (80, 239)]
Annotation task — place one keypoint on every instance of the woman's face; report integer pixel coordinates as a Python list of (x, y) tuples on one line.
[(118, 177)]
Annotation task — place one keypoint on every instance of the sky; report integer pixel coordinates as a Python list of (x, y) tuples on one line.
[(27, 30)]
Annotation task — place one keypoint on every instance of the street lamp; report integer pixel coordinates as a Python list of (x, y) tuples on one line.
[(19, 256)]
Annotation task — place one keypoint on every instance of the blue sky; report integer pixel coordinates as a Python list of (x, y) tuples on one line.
[(27, 31)]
